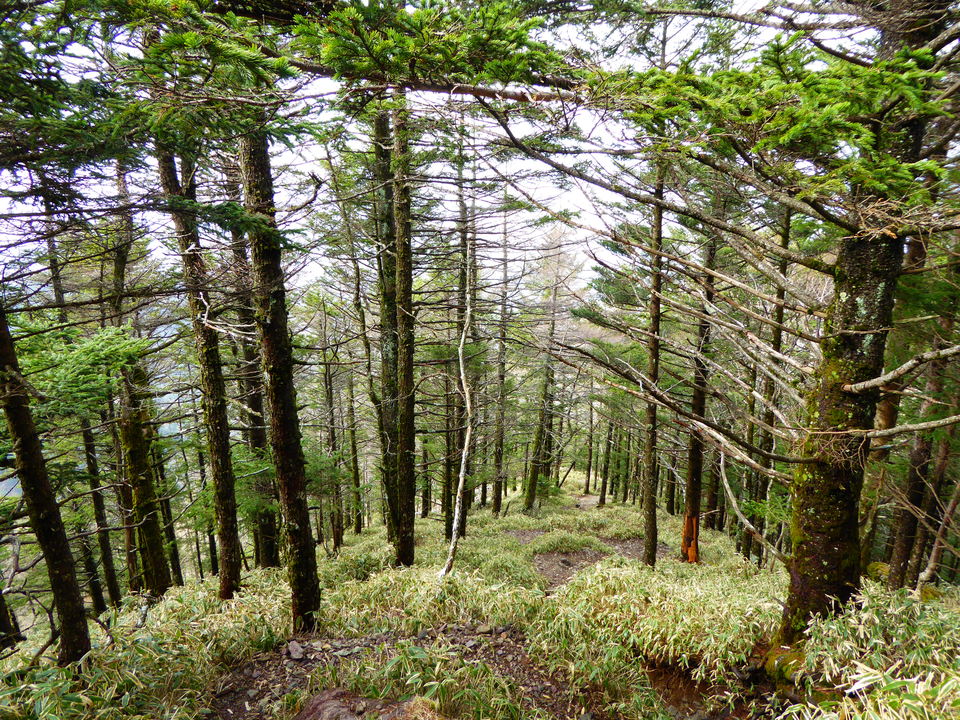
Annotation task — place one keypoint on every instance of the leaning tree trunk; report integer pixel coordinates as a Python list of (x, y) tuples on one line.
[(271, 315), (42, 507)]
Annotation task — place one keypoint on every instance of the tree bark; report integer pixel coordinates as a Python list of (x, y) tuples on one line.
[(824, 527), (406, 474), (690, 542), (180, 191), (42, 507), (251, 380), (269, 293)]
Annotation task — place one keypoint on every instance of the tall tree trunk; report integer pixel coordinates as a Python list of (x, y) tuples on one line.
[(690, 542), (277, 352), (42, 507), (389, 337), (499, 477), (137, 491), (651, 469), (251, 380), (336, 512), (590, 428), (406, 495), (542, 448), (357, 502), (824, 527), (181, 190)]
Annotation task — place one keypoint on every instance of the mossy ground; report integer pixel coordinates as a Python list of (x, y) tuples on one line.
[(601, 630)]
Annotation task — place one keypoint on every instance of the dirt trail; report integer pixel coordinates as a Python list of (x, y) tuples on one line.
[(248, 691), (252, 689)]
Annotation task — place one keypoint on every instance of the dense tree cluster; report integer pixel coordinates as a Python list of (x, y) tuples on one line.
[(275, 272)]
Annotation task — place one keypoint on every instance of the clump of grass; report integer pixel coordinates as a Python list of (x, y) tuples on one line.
[(161, 670), (615, 617), (408, 600), (563, 541), (437, 673), (892, 656), (884, 628)]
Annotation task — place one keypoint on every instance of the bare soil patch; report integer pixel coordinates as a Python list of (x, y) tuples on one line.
[(585, 502), (559, 567), (633, 547), (525, 536)]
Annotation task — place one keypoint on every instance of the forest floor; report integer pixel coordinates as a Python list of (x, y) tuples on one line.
[(250, 690), (547, 616)]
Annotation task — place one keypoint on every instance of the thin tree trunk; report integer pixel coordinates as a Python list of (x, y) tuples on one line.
[(336, 513), (467, 395), (178, 190), (100, 516), (690, 542), (605, 471), (918, 466), (769, 386), (42, 507), (354, 458)]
